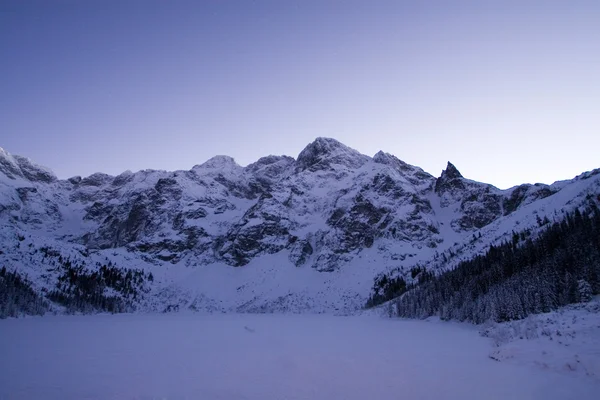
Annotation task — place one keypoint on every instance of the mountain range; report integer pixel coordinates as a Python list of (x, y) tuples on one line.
[(308, 234)]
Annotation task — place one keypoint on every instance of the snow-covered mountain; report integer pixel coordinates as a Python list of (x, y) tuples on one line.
[(281, 234)]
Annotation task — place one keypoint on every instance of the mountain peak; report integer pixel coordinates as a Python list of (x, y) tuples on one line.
[(323, 152), (218, 162), (271, 166), (448, 178), (321, 140), (451, 172), (382, 157)]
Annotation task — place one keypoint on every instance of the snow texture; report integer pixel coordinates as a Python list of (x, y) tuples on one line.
[(263, 357), (563, 341)]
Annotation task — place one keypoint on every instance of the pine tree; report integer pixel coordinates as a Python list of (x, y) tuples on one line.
[(585, 291)]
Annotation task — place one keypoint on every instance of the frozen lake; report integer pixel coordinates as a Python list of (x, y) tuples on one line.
[(264, 357)]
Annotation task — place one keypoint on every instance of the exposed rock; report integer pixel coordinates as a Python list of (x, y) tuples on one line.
[(450, 179), (75, 180), (13, 166), (358, 226), (8, 165), (271, 167), (34, 172), (300, 250), (23, 192), (515, 199), (323, 152), (123, 178), (168, 188), (264, 228), (97, 179), (218, 162)]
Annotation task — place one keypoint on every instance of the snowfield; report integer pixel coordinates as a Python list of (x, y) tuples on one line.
[(248, 356), (566, 340)]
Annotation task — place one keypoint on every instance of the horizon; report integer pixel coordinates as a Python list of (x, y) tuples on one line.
[(507, 92)]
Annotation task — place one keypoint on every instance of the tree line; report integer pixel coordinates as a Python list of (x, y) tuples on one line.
[(82, 290), (106, 288), (517, 278), (18, 297)]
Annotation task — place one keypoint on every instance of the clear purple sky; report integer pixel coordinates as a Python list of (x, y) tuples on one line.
[(509, 91)]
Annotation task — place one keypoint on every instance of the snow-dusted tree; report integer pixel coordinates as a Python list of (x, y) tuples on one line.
[(585, 291), (389, 307)]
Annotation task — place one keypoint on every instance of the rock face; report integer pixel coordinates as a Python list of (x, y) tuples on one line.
[(321, 209), (477, 204)]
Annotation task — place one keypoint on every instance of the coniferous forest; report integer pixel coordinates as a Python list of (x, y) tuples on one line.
[(78, 288), (17, 296), (517, 278)]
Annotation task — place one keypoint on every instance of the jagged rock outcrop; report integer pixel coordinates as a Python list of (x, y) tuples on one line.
[(476, 204), (450, 179)]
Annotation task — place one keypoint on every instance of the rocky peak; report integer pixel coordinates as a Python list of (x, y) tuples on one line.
[(96, 179), (324, 152), (75, 180), (268, 160), (218, 162), (385, 158), (451, 172), (450, 178), (123, 178), (270, 166)]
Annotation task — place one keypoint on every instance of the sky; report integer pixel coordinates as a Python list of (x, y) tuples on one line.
[(508, 91)]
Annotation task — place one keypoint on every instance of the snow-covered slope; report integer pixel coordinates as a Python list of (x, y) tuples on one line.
[(278, 235), (566, 340)]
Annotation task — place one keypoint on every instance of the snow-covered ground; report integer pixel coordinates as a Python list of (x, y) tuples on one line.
[(567, 340), (243, 356)]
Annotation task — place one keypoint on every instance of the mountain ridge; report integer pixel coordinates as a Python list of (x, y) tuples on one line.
[(333, 217), (324, 145)]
